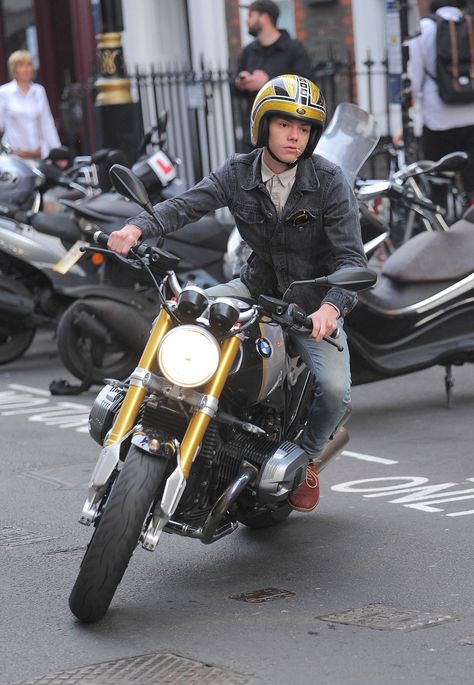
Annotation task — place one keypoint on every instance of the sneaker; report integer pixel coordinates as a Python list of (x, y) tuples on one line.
[(306, 497)]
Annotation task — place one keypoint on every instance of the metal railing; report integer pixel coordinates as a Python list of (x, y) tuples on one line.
[(208, 118)]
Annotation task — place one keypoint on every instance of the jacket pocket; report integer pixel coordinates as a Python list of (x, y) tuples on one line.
[(304, 228), (248, 214)]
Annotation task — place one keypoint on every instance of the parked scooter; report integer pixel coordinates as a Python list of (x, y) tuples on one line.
[(201, 437), (421, 312)]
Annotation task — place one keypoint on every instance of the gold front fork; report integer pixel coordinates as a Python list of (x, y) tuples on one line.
[(135, 394), (200, 419)]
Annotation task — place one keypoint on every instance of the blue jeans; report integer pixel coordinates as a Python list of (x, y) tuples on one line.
[(330, 368)]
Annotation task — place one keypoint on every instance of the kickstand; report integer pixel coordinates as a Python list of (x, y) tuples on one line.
[(449, 385), (60, 386)]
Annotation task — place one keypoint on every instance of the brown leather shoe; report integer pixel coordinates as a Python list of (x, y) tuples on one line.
[(306, 497)]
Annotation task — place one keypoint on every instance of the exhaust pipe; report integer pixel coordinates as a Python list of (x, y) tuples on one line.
[(16, 307), (87, 323), (209, 531), (333, 447)]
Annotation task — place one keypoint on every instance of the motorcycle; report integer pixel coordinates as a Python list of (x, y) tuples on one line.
[(201, 436), (421, 312)]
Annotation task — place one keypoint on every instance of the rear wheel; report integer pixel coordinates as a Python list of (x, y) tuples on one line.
[(86, 356), (14, 340), (116, 535)]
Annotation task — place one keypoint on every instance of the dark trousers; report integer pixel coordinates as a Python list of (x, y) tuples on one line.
[(436, 144)]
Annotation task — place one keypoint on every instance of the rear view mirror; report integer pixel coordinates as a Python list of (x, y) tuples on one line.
[(127, 184), (352, 279)]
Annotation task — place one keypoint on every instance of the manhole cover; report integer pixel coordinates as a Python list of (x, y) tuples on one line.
[(382, 617), (65, 477), (148, 669), (10, 536), (268, 593)]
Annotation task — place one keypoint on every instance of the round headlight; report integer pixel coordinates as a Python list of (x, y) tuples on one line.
[(188, 356)]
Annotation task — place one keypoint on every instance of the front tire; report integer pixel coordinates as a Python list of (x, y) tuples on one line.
[(116, 535)]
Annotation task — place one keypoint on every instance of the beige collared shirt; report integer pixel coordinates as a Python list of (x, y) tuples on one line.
[(278, 185)]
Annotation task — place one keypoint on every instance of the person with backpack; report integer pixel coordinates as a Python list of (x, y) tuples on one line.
[(442, 75)]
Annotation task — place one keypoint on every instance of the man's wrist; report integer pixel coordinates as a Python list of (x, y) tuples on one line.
[(334, 307)]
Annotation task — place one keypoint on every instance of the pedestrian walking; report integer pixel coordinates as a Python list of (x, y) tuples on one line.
[(26, 122)]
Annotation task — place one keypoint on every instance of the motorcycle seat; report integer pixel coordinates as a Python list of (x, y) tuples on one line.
[(393, 298), (434, 256), (58, 225), (104, 208)]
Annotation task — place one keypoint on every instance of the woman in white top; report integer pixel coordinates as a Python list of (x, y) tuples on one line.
[(25, 116)]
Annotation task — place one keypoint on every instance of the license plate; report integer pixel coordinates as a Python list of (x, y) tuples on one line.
[(71, 257)]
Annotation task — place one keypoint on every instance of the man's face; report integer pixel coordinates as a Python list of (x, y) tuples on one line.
[(287, 138), (254, 23)]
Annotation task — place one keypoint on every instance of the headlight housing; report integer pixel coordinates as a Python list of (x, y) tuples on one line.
[(188, 356)]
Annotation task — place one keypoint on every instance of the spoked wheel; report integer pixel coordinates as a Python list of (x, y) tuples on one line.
[(14, 339), (88, 350), (116, 536)]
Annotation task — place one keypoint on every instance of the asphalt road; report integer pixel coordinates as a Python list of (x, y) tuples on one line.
[(375, 586)]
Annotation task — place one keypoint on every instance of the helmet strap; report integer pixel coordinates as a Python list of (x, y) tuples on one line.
[(290, 165)]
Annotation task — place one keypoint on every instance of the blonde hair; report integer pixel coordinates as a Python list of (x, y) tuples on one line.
[(16, 58)]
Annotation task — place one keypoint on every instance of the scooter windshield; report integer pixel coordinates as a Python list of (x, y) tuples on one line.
[(349, 139)]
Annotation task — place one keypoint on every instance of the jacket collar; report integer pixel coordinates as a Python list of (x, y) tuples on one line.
[(306, 175)]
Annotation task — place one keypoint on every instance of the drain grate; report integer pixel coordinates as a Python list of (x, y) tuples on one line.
[(148, 669), (10, 536), (382, 617), (258, 596)]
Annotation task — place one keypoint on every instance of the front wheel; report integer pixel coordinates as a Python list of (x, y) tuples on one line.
[(116, 535)]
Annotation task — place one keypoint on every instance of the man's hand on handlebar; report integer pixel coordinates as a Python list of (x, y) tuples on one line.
[(324, 321), (123, 240)]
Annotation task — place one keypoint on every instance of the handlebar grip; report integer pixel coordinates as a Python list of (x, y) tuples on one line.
[(100, 238)]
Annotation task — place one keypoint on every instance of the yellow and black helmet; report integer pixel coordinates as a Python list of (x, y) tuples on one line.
[(291, 96)]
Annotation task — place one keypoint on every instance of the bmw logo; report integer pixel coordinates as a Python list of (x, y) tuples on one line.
[(264, 348)]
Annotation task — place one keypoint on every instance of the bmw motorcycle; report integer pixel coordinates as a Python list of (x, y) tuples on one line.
[(201, 437)]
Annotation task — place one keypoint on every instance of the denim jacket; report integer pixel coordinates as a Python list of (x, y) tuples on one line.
[(317, 233)]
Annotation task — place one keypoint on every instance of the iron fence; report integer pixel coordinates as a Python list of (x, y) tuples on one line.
[(208, 118)]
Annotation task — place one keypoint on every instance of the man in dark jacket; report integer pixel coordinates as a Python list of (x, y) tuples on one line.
[(272, 53), (300, 217)]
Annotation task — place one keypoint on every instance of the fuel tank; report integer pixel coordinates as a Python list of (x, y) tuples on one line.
[(260, 366)]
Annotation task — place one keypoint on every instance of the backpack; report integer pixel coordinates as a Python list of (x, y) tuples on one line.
[(455, 59)]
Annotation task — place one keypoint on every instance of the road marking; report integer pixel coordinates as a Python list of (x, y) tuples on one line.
[(23, 400), (368, 457), (462, 513), (29, 388), (422, 496)]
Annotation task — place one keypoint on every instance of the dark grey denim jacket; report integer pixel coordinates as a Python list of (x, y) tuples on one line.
[(318, 232)]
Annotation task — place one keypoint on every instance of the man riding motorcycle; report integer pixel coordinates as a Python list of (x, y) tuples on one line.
[(299, 215)]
